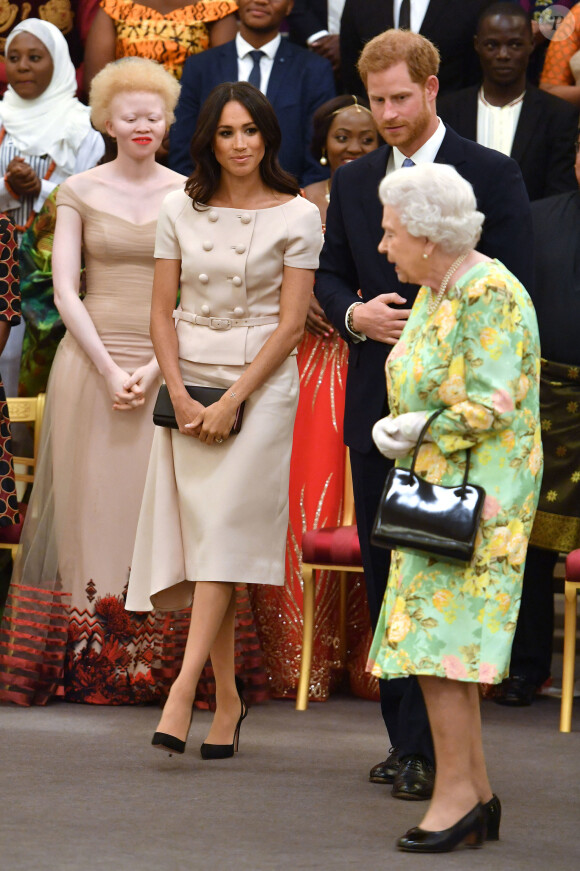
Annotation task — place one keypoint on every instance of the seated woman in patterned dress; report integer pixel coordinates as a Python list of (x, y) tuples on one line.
[(472, 349), (166, 31)]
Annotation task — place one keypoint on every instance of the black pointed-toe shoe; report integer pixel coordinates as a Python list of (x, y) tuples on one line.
[(469, 831), (224, 751), (170, 743), (384, 772), (492, 810), (414, 780)]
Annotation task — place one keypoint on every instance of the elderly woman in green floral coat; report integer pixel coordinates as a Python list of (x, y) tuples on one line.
[(470, 346)]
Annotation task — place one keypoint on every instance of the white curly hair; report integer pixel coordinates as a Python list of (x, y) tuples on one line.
[(433, 200)]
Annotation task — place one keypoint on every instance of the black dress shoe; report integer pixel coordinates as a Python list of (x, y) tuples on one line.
[(492, 810), (469, 830), (385, 771), (517, 692), (414, 780)]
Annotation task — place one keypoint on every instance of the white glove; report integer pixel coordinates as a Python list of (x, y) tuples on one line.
[(396, 437), (410, 425)]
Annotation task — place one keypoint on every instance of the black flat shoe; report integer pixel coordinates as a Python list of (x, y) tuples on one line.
[(516, 692), (469, 830), (492, 810), (224, 751), (414, 780), (170, 743), (385, 771)]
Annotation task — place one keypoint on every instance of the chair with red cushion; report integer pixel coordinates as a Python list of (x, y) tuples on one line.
[(23, 410), (571, 589), (328, 549)]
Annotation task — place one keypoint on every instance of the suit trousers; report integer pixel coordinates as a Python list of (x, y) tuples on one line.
[(402, 704), (532, 648)]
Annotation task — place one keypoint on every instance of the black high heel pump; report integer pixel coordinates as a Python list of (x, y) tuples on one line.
[(169, 742), (469, 830), (492, 809), (224, 751)]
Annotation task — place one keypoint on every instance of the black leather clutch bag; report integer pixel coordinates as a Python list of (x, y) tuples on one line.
[(416, 515), (164, 415)]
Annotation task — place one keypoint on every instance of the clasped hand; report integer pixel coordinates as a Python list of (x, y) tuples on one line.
[(128, 391), (396, 437), (378, 320), (209, 425), (22, 178)]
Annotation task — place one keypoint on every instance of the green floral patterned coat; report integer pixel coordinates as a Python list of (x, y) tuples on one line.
[(479, 355)]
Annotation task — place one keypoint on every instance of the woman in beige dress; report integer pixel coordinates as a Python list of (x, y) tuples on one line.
[(80, 528), (243, 246)]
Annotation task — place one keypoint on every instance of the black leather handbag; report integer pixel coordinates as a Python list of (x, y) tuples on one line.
[(164, 415), (416, 515)]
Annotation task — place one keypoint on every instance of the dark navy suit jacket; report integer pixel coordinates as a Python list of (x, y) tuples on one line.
[(299, 83), (350, 259)]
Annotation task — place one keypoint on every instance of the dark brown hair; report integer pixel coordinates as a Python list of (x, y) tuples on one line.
[(204, 181)]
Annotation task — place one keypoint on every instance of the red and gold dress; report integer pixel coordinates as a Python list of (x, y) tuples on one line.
[(169, 39), (316, 492)]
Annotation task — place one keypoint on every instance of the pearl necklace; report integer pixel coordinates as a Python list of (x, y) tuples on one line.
[(433, 303)]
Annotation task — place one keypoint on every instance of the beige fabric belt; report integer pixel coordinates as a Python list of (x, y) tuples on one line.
[(223, 323)]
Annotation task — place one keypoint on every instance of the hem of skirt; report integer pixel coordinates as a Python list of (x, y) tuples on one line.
[(466, 679), (556, 532)]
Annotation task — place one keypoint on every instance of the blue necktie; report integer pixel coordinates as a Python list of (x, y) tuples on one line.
[(256, 76), (407, 162)]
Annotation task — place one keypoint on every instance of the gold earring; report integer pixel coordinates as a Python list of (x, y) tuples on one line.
[(323, 160)]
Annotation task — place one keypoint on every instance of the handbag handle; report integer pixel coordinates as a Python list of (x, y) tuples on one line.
[(421, 438)]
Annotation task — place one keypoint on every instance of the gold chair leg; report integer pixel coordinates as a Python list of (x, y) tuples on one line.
[(342, 621), (569, 656), (308, 590)]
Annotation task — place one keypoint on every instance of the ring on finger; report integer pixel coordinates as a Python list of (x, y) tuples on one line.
[(218, 441)]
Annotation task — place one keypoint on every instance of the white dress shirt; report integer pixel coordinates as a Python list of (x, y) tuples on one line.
[(496, 125), (418, 11), (246, 64)]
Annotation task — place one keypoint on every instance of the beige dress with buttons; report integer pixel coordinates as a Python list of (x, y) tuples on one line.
[(220, 512)]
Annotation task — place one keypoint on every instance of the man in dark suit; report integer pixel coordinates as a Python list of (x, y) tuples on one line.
[(295, 80), (535, 128), (403, 105), (450, 24)]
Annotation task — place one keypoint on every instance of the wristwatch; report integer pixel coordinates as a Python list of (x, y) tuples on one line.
[(349, 322)]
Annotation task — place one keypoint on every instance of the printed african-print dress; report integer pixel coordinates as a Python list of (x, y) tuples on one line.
[(9, 313), (168, 39), (478, 354)]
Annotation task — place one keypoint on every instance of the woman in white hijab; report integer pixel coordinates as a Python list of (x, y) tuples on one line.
[(45, 136)]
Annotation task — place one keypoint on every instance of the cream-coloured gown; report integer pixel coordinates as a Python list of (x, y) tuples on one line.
[(220, 512), (80, 527)]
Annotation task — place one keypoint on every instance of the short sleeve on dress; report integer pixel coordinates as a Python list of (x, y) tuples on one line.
[(167, 245), (304, 234), (9, 275), (67, 197)]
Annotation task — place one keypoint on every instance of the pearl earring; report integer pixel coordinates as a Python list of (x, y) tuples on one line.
[(425, 255), (323, 160)]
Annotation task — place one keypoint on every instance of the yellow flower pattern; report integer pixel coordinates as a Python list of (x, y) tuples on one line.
[(478, 356)]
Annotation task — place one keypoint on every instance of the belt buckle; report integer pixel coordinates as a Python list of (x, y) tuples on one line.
[(220, 324)]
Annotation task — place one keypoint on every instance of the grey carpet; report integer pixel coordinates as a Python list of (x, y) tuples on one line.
[(83, 789)]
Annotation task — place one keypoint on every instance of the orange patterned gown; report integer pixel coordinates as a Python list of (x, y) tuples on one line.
[(170, 38), (316, 490)]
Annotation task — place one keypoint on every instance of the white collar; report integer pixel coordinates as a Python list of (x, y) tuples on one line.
[(243, 48), (427, 153)]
